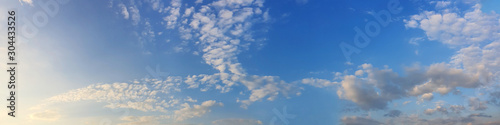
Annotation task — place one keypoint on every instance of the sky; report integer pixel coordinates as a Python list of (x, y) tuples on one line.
[(255, 62)]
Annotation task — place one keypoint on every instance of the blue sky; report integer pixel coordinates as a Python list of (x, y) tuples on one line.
[(255, 62)]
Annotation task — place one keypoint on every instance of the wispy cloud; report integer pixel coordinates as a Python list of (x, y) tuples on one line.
[(237, 122)]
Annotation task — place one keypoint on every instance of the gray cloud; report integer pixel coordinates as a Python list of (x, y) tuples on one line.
[(480, 115), (393, 113), (455, 120), (477, 104), (494, 98), (457, 108), (440, 77), (237, 122)]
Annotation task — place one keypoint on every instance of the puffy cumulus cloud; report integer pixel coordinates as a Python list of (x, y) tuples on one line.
[(144, 95), (237, 122), (361, 93), (355, 120), (457, 29), (196, 110), (475, 33), (443, 79), (475, 65), (483, 61), (47, 115), (377, 87)]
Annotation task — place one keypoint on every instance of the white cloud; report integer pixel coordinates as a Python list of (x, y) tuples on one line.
[(220, 28), (455, 29), (267, 86), (135, 15), (124, 11), (189, 99), (360, 93), (425, 97), (188, 12), (474, 66), (442, 4), (483, 61), (443, 79), (406, 102), (438, 108), (144, 96), (156, 5), (416, 40), (149, 95), (198, 1), (320, 83), (174, 11), (195, 111), (477, 35), (237, 122), (30, 2)]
